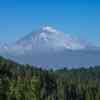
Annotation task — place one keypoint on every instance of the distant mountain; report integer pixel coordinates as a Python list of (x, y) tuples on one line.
[(50, 38), (50, 47)]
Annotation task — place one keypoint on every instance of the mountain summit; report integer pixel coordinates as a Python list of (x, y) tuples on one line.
[(48, 46), (47, 39)]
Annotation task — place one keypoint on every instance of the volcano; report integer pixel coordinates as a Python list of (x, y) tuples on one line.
[(48, 47)]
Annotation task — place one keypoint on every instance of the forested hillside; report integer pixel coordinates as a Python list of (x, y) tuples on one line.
[(26, 82)]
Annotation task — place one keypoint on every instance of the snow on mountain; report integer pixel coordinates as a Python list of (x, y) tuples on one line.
[(3, 46), (46, 39), (50, 47)]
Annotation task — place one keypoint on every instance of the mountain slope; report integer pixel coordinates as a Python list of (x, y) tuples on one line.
[(50, 47), (51, 38)]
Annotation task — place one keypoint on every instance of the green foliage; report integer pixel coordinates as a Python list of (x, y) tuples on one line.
[(26, 82)]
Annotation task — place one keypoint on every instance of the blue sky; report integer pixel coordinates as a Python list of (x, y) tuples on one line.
[(76, 17)]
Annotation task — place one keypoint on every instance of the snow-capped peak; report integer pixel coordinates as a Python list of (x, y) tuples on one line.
[(45, 39), (49, 29), (49, 47), (49, 37)]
